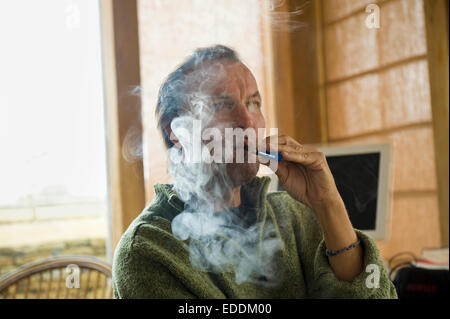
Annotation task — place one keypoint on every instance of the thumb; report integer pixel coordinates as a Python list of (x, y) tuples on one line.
[(282, 172)]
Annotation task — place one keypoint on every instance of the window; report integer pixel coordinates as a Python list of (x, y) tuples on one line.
[(53, 169)]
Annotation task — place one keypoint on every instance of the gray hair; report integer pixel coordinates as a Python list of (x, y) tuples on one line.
[(172, 92)]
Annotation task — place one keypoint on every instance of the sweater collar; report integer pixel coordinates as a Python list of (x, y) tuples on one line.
[(253, 196)]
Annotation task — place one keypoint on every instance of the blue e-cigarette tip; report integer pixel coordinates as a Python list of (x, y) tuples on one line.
[(276, 156)]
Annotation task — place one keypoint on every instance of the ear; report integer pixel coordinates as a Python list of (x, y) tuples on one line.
[(172, 137)]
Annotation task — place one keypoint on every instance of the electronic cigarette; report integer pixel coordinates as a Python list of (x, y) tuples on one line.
[(275, 156)]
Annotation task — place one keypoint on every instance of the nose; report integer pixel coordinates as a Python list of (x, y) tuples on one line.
[(242, 117)]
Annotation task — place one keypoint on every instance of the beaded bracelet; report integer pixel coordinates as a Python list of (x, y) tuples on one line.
[(331, 253)]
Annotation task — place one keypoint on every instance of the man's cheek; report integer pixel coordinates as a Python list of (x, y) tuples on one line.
[(260, 121)]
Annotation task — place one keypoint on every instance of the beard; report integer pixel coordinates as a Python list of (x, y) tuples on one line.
[(241, 173)]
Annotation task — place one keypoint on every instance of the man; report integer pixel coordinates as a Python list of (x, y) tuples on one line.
[(216, 232)]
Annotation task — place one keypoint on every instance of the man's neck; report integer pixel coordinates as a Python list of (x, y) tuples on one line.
[(234, 200)]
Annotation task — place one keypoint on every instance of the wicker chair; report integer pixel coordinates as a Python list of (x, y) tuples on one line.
[(47, 279)]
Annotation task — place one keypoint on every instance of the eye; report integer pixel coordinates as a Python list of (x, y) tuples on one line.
[(225, 105), (253, 104)]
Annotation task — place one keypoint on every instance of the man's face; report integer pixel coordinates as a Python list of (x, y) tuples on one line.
[(236, 103)]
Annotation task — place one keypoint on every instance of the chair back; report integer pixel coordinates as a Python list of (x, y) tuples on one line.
[(63, 277)]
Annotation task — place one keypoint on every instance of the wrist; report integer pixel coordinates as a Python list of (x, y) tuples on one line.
[(329, 205), (335, 223)]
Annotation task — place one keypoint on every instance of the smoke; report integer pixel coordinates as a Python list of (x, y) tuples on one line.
[(132, 145), (221, 239), (132, 142), (283, 20)]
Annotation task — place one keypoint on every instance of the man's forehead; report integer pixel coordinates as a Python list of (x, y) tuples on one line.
[(220, 78)]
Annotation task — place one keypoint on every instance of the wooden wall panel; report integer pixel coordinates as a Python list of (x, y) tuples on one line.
[(378, 90), (436, 18), (120, 49), (296, 72)]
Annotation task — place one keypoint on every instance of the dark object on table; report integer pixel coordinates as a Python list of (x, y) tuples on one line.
[(413, 282), (420, 283)]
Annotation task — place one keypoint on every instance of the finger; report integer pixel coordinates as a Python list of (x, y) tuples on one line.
[(313, 160), (272, 142), (287, 140), (294, 148), (274, 139), (290, 140), (290, 148)]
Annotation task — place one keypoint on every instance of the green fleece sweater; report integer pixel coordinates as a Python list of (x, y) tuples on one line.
[(149, 262)]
